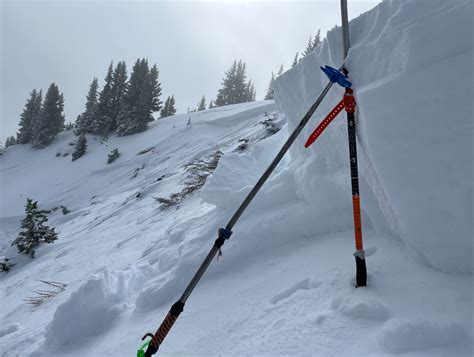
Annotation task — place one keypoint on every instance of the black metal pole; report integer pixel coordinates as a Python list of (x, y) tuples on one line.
[(361, 267), (225, 233)]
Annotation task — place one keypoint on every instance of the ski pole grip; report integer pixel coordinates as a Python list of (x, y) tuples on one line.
[(164, 328)]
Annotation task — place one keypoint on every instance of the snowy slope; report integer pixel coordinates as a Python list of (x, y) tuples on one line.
[(284, 285)]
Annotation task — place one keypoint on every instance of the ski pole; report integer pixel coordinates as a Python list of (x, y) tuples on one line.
[(225, 233), (361, 267)]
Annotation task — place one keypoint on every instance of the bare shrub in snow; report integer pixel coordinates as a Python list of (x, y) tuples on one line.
[(41, 296), (270, 125), (144, 151), (243, 145), (198, 171)]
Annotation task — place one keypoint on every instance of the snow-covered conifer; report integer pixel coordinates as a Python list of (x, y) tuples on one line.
[(50, 120), (34, 230), (27, 117), (138, 101), (295, 60), (202, 104), (80, 148), (113, 155), (86, 122), (269, 94)]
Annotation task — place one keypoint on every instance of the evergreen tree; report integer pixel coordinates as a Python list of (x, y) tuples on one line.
[(269, 94), (249, 92), (172, 106), (35, 231), (87, 120), (225, 95), (317, 40), (119, 88), (80, 148), (50, 120), (235, 88), (202, 104), (113, 155), (137, 102), (309, 47), (36, 112), (169, 108), (27, 118), (280, 71), (155, 91), (295, 60), (166, 108), (211, 104), (10, 141), (105, 112)]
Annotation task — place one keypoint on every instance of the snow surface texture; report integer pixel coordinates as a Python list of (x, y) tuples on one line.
[(285, 282), (411, 65)]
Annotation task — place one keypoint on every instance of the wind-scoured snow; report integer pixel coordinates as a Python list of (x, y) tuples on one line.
[(284, 285)]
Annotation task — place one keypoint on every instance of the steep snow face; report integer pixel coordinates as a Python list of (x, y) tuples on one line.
[(411, 65)]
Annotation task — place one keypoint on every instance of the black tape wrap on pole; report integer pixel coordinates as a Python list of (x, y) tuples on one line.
[(361, 267), (225, 233)]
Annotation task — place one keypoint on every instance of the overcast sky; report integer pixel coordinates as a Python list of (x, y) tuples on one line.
[(192, 43)]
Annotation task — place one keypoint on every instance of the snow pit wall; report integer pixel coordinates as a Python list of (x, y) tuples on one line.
[(411, 65)]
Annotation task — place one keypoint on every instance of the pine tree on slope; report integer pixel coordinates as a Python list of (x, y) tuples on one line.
[(168, 109), (165, 110), (85, 121), (80, 148), (317, 40), (138, 102), (50, 120), (27, 117), (155, 91), (202, 104), (309, 47), (235, 88), (280, 71), (172, 109), (119, 88), (102, 121), (269, 94), (35, 231), (295, 60)]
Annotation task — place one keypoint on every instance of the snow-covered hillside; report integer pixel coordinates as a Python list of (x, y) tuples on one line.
[(285, 282)]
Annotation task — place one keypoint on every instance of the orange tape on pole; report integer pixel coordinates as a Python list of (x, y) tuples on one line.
[(337, 109), (357, 223)]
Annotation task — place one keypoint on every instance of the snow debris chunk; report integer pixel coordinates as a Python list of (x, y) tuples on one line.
[(89, 311), (399, 335), (370, 309)]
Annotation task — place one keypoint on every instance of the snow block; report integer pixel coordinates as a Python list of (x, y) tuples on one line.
[(399, 335), (414, 126), (88, 312)]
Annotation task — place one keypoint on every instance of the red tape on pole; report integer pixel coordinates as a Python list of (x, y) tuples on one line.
[(337, 109)]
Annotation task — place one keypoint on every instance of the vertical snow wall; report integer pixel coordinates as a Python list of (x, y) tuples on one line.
[(411, 63)]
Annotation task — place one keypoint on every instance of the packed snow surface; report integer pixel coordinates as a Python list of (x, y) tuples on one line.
[(285, 282)]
